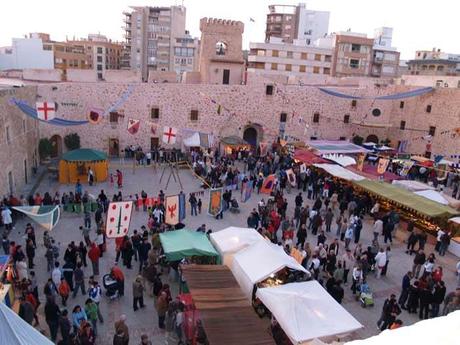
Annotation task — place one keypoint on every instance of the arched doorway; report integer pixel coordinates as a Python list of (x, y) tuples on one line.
[(372, 139), (56, 146), (250, 136)]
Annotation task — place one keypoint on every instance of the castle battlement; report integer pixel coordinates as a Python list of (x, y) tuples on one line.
[(216, 24)]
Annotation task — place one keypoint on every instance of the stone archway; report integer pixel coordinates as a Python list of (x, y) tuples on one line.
[(56, 146), (372, 138), (250, 135)]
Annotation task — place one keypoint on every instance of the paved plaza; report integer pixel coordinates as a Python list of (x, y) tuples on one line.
[(145, 320)]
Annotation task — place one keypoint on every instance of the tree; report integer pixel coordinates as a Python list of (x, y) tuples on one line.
[(44, 148), (72, 141), (358, 140)]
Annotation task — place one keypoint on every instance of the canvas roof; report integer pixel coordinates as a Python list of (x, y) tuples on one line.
[(407, 198), (323, 147), (412, 185), (232, 239), (341, 159), (340, 172), (84, 155), (180, 244), (15, 330), (308, 157), (306, 311), (228, 318)]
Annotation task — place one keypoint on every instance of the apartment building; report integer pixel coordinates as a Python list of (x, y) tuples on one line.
[(186, 52), (290, 22), (101, 53), (24, 53), (352, 56), (385, 58), (434, 62), (150, 34), (276, 57)]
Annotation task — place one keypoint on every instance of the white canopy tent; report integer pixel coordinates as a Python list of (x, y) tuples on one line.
[(413, 186), (306, 311), (340, 172), (257, 262), (193, 141), (15, 330), (341, 159), (231, 240), (433, 196), (440, 330)]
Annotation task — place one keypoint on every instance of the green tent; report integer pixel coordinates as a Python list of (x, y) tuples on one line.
[(84, 155), (181, 244), (407, 198)]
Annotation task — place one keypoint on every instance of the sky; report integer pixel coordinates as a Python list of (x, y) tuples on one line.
[(418, 24)]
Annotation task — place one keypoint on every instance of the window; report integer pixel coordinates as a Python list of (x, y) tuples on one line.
[(221, 48), (354, 63), (346, 118), (99, 67), (194, 115), (354, 103), (302, 68), (269, 90), (274, 66), (99, 59), (8, 137), (283, 117), (401, 105), (317, 57), (99, 50), (328, 58), (288, 67), (287, 27), (428, 108), (275, 53), (289, 55), (155, 113), (343, 138), (313, 138), (356, 48), (432, 131), (316, 69), (304, 56), (113, 116), (402, 125), (99, 76), (326, 70), (316, 118)]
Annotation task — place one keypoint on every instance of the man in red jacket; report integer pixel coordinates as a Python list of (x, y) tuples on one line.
[(94, 254)]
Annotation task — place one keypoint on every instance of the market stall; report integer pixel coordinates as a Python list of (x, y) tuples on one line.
[(231, 240), (226, 315), (340, 172), (454, 227), (74, 166), (307, 157), (264, 264), (180, 244), (316, 313), (412, 185), (324, 147), (231, 144), (427, 213), (439, 330)]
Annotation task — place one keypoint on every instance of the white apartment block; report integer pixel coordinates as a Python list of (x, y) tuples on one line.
[(312, 25), (26, 53), (186, 53), (277, 58)]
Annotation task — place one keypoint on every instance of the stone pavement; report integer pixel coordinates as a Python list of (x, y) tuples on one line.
[(145, 320)]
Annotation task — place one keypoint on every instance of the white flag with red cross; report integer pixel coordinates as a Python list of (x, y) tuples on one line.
[(169, 135), (46, 110), (118, 218)]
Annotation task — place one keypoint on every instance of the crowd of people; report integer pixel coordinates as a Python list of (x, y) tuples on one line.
[(324, 223)]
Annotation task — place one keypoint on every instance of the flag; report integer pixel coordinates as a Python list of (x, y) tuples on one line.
[(46, 110), (382, 165), (219, 109), (118, 218), (133, 125), (263, 148), (360, 161), (153, 128), (252, 20), (182, 212), (94, 117), (407, 165), (215, 201), (169, 135), (246, 191), (45, 216), (268, 184), (291, 177), (173, 205), (438, 158)]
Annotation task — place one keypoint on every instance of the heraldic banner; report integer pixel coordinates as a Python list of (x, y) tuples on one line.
[(215, 201), (118, 218), (175, 209)]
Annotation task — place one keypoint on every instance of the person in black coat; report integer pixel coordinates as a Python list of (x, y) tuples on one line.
[(67, 272), (425, 298), (65, 326), (337, 291), (52, 313), (438, 297)]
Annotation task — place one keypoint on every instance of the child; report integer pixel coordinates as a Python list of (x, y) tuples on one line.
[(111, 180), (200, 204)]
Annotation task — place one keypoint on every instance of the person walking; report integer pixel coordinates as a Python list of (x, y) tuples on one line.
[(138, 293), (122, 331), (95, 293), (405, 285), (380, 261), (357, 278), (419, 260), (30, 253), (64, 291), (52, 313), (377, 228), (79, 278), (65, 326), (425, 298), (438, 297), (92, 314), (26, 310), (162, 307), (347, 260), (328, 217), (144, 248), (94, 255), (193, 204), (348, 236)]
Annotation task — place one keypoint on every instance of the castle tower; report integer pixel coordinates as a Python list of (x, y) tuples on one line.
[(221, 55)]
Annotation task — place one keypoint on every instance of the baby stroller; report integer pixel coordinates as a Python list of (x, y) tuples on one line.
[(365, 296), (234, 207), (111, 286)]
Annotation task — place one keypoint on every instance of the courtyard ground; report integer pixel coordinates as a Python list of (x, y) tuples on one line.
[(145, 320)]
